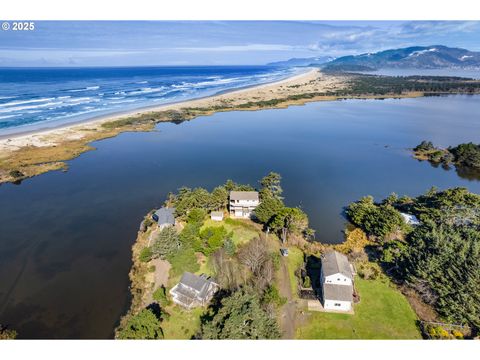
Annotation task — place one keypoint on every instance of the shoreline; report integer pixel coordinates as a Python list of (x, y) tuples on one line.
[(26, 155), (146, 109)]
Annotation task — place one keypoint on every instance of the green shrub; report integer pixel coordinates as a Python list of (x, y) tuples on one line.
[(144, 325), (146, 254), (213, 238), (276, 258), (272, 296), (160, 296), (196, 216), (183, 260), (368, 270), (229, 247), (306, 282)]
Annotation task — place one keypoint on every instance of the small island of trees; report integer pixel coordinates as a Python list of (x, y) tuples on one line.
[(465, 157)]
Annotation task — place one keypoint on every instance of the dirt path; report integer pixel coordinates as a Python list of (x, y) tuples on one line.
[(289, 310)]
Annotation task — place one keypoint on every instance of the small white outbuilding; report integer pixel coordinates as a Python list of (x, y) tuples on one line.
[(216, 215)]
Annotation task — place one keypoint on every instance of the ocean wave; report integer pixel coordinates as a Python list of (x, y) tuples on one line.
[(21, 102), (82, 100), (21, 108), (6, 116)]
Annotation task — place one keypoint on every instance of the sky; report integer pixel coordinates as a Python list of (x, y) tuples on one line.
[(143, 43)]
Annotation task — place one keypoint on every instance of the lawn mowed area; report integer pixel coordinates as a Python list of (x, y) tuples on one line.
[(383, 313), (182, 324), (294, 261)]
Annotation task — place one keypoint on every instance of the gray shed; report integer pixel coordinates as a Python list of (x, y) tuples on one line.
[(164, 216)]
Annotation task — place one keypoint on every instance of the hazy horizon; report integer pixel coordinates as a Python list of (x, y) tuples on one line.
[(209, 43)]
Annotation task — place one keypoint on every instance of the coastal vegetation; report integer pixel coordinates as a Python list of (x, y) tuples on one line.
[(25, 161), (465, 157), (396, 85), (439, 258), (258, 287), (240, 316), (236, 253), (7, 333), (145, 325)]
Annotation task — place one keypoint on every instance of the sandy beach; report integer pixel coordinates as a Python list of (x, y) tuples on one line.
[(311, 80), (25, 155)]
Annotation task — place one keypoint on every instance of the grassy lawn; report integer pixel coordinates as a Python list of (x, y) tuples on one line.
[(182, 324), (383, 313), (205, 267), (242, 230), (295, 260)]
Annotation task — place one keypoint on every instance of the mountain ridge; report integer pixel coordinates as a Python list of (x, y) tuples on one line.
[(414, 57)]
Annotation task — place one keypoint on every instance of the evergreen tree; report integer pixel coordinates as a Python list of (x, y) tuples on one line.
[(269, 207), (166, 243), (271, 185), (241, 317), (144, 325)]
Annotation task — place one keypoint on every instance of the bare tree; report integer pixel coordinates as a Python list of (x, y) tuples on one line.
[(228, 272), (256, 256)]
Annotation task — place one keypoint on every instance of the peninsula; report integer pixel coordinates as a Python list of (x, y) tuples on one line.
[(27, 155)]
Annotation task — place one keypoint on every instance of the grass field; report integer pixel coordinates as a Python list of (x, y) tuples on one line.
[(383, 313), (182, 324), (294, 260), (242, 230)]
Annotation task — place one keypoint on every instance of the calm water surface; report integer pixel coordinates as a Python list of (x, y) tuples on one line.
[(65, 238)]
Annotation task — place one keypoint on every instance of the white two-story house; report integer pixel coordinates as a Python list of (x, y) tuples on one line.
[(337, 282), (243, 203)]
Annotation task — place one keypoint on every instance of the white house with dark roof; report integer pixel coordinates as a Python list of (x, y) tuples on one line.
[(337, 282), (164, 217), (193, 290), (243, 203)]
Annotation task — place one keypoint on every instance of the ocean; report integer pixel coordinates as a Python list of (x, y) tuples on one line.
[(33, 98)]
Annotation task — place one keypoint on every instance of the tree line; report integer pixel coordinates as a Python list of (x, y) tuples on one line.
[(440, 258)]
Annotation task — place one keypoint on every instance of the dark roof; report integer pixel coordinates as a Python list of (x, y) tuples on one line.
[(165, 216), (338, 292), (243, 195), (333, 263), (194, 282)]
